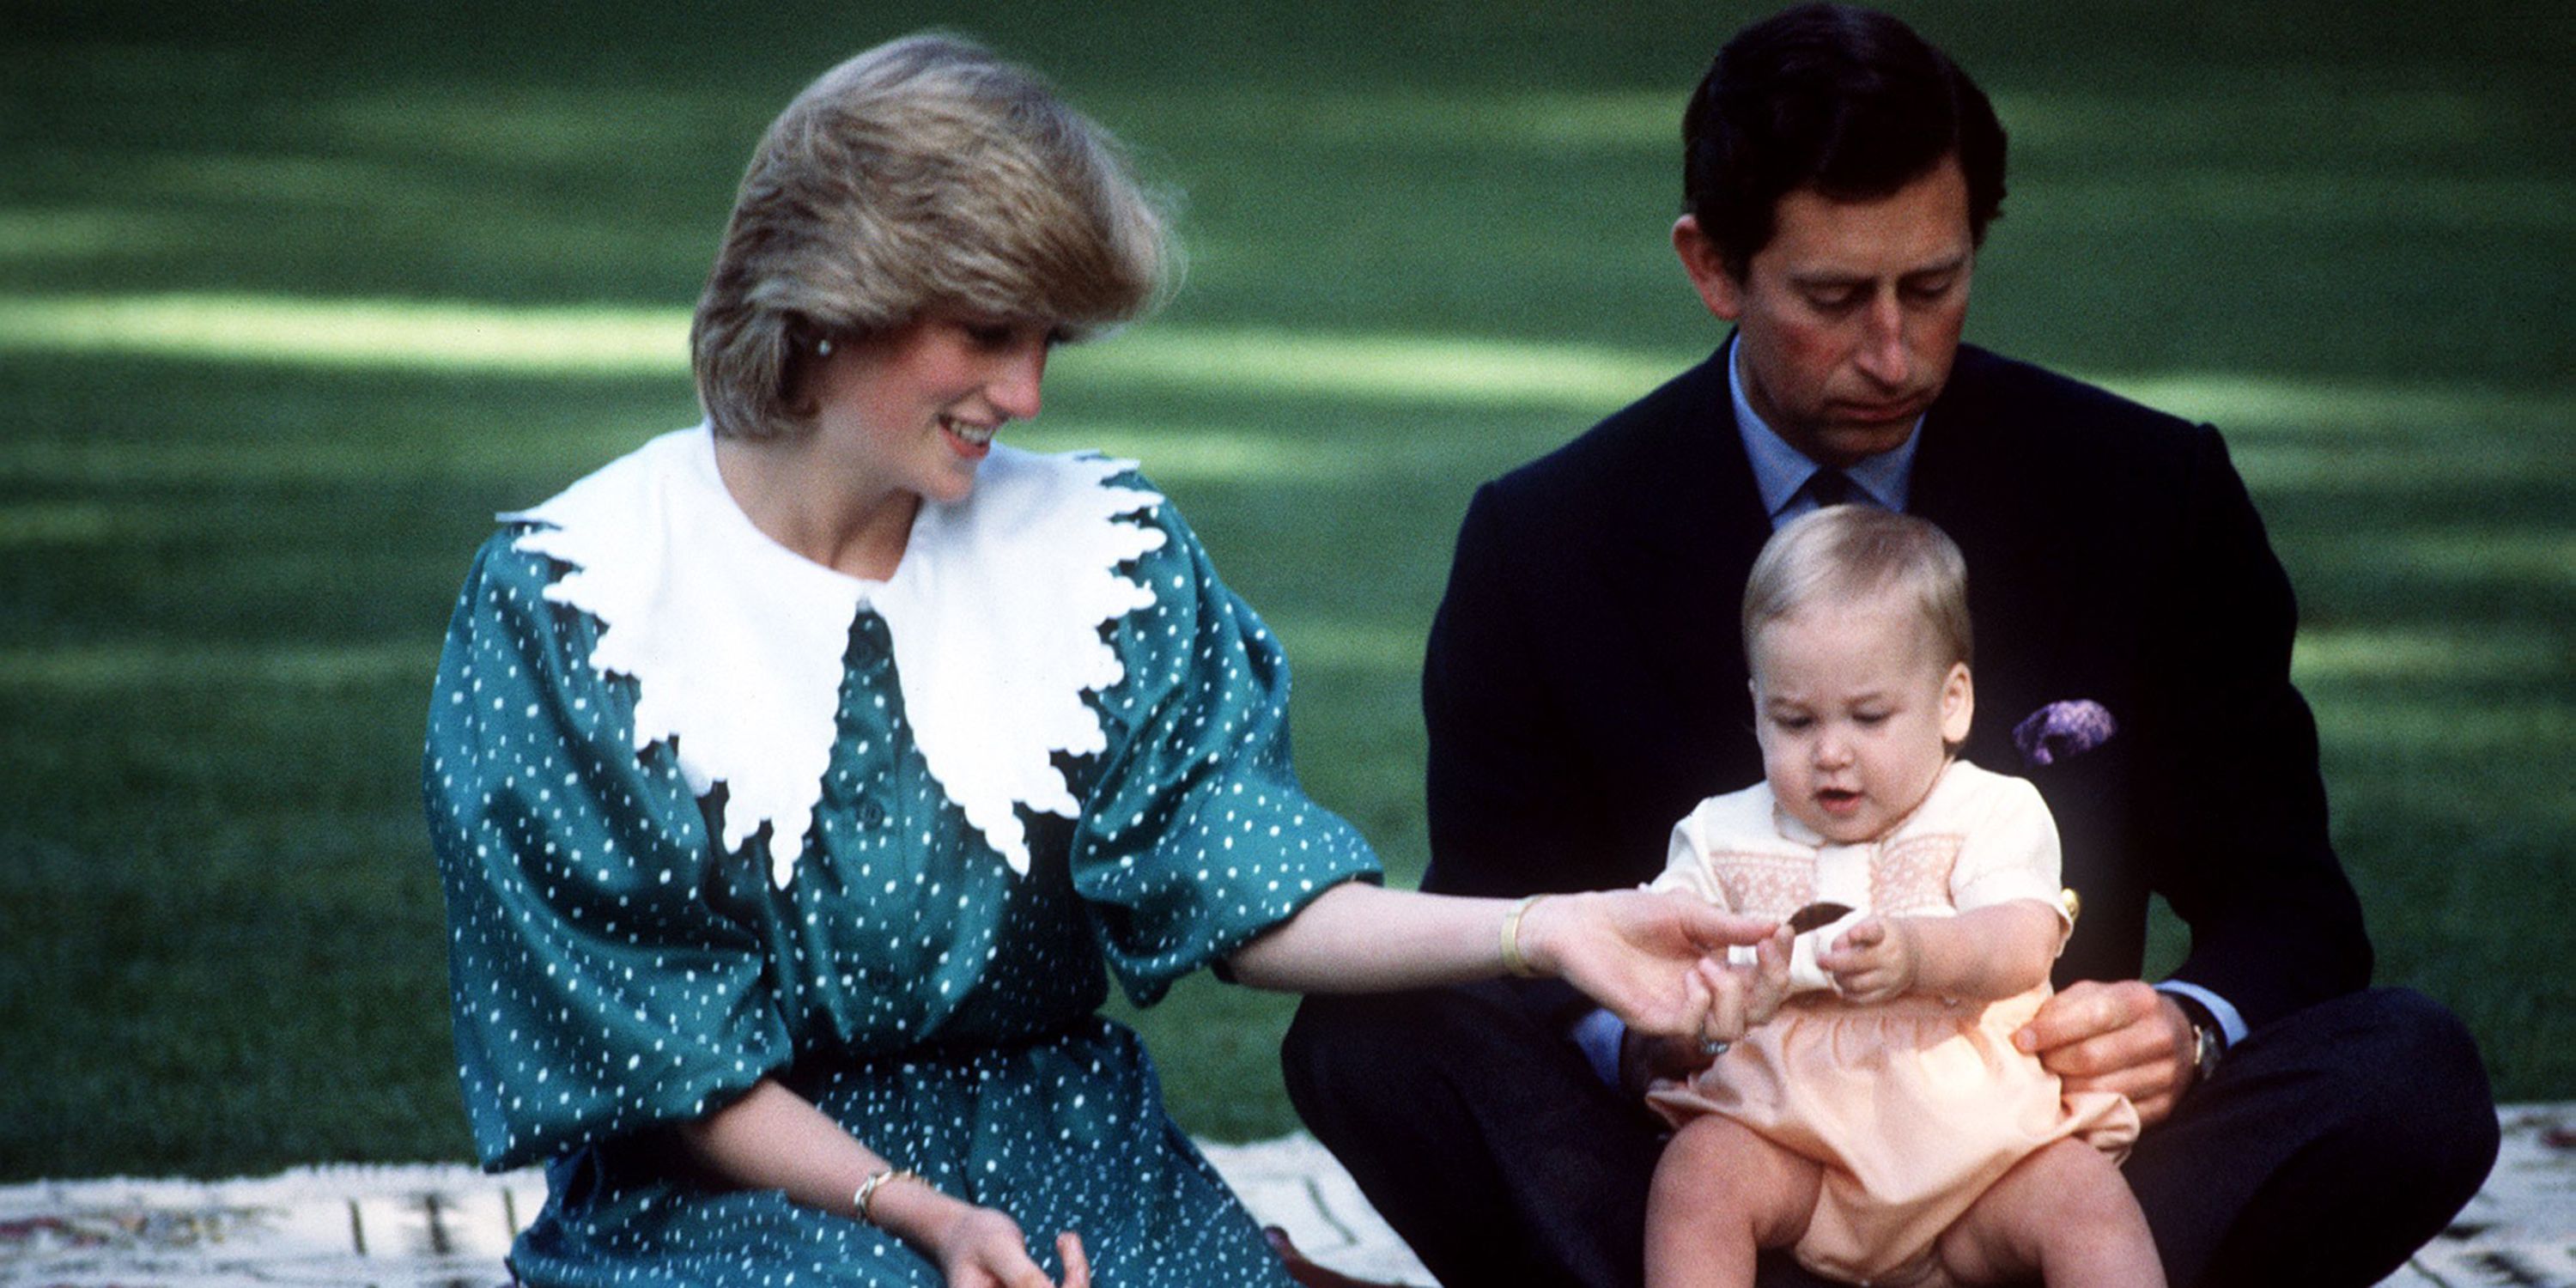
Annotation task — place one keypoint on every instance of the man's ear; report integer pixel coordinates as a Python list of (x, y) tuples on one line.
[(1706, 269)]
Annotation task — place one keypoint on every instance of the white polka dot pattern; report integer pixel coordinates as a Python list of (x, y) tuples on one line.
[(616, 968)]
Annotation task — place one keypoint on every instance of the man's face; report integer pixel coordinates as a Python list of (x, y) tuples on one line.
[(1848, 320)]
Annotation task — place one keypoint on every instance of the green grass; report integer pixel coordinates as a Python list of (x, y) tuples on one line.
[(293, 296)]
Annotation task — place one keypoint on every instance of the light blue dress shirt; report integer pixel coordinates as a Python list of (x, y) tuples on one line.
[(1781, 472)]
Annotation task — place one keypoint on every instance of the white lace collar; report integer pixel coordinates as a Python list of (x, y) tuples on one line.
[(736, 643)]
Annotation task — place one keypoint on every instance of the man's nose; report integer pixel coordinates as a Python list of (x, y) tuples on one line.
[(1883, 356)]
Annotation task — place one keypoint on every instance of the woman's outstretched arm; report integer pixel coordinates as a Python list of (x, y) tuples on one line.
[(1634, 952)]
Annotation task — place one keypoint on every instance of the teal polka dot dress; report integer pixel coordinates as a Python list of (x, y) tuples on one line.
[(617, 969)]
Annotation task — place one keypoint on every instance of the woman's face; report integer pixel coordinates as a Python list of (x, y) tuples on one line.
[(917, 407)]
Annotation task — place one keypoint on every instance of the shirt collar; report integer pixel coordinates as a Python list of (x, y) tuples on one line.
[(1780, 470)]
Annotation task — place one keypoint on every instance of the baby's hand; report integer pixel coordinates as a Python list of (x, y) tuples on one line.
[(1872, 962), (1743, 995)]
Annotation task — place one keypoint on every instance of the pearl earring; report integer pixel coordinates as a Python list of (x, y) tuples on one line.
[(823, 347)]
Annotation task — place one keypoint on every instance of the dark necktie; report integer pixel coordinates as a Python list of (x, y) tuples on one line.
[(1831, 486)]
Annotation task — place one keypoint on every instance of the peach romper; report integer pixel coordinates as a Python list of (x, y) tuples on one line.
[(1912, 1107)]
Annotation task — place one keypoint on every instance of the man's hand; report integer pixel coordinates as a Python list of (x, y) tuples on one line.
[(2124, 1037), (1645, 1059), (1637, 953)]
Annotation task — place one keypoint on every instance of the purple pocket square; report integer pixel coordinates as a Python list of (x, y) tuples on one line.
[(2062, 730)]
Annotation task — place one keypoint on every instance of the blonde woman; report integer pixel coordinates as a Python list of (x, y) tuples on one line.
[(794, 777)]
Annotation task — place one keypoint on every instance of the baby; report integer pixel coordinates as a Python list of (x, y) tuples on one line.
[(1880, 1123)]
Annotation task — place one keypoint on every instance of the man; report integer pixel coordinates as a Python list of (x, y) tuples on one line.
[(1585, 686)]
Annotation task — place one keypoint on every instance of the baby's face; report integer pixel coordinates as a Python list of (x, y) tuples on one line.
[(1854, 715)]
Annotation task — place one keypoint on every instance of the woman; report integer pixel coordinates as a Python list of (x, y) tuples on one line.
[(794, 776)]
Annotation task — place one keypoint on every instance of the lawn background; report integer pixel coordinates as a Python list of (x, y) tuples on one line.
[(293, 296)]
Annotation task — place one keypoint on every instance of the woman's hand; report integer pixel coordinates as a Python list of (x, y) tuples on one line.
[(1874, 961), (981, 1248), (1638, 952), (1744, 997)]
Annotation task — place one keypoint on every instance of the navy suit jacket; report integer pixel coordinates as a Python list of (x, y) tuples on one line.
[(1585, 681)]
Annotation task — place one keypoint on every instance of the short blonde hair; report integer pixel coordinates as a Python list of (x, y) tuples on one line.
[(1846, 553), (922, 174)]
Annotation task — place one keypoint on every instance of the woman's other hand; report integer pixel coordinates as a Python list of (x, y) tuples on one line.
[(979, 1247), (772, 1138), (1638, 952)]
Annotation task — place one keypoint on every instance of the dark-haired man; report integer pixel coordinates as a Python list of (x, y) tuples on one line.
[(1585, 686)]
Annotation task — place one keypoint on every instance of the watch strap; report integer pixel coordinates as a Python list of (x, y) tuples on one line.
[(2208, 1036)]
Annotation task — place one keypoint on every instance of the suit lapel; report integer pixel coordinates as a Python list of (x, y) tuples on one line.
[(1689, 522), (1969, 479), (1699, 524)]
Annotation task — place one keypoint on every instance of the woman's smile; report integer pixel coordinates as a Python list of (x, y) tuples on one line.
[(971, 441)]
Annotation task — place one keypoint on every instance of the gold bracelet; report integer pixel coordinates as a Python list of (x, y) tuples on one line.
[(867, 1194), (1513, 963)]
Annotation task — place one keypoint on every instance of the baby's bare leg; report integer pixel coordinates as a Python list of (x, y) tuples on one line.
[(1721, 1194), (2065, 1213)]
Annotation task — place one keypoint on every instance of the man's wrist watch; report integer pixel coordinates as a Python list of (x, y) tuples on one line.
[(2208, 1037)]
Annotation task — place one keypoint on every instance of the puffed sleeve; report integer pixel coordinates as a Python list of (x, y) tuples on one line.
[(596, 989), (1195, 837), (2008, 847)]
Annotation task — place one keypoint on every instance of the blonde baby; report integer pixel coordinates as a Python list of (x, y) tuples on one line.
[(1870, 1113)]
